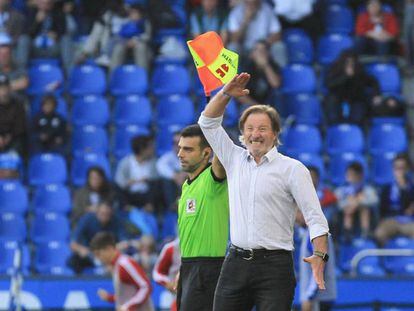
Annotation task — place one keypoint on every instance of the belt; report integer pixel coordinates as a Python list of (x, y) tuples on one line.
[(251, 253)]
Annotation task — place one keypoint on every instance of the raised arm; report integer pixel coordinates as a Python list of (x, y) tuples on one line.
[(235, 88), (218, 168)]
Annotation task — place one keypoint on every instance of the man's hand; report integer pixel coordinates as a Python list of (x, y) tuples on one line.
[(237, 86), (103, 294), (318, 267)]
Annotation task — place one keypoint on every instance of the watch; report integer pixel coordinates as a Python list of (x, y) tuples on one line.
[(324, 256)]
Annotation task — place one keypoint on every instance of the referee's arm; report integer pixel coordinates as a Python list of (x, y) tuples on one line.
[(218, 169)]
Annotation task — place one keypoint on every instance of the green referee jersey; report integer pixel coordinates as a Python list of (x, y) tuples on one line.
[(203, 216)]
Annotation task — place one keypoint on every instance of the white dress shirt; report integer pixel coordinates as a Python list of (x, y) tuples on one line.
[(293, 10), (264, 197)]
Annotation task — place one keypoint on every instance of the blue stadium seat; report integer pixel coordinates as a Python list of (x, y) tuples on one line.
[(44, 61), (304, 107), (388, 77), (164, 137), (175, 109), (298, 78), (312, 159), (89, 139), (82, 163), (87, 80), (400, 265), (12, 227), (388, 120), (123, 136), (45, 78), (381, 168), (344, 138), (387, 138), (13, 197), (52, 198), (299, 46), (331, 45), (90, 110), (339, 163), (367, 266), (300, 139), (133, 109), (11, 161), (170, 79), (51, 257), (47, 168), (7, 253), (49, 227), (339, 19), (127, 80), (61, 108)]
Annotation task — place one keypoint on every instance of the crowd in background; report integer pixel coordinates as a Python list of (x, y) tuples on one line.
[(139, 204)]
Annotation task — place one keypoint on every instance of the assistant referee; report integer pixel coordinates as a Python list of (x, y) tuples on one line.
[(203, 222)]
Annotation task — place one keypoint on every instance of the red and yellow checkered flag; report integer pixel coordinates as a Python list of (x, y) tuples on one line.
[(215, 64)]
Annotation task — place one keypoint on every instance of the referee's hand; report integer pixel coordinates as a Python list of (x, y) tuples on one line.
[(318, 267)]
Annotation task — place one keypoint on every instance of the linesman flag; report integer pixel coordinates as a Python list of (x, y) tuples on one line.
[(215, 65)]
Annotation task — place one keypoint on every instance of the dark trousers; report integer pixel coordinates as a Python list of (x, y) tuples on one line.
[(197, 283), (267, 282)]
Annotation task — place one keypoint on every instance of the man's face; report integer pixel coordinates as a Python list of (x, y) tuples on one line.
[(258, 134), (252, 4), (209, 5), (104, 214), (105, 255), (190, 154), (400, 168), (44, 5), (374, 7), (353, 177)]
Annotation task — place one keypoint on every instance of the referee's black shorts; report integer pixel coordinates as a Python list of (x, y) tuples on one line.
[(197, 283)]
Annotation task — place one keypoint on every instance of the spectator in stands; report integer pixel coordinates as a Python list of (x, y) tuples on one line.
[(45, 34), (408, 32), (326, 197), (49, 128), (356, 196), (136, 173), (16, 74), (169, 169), (132, 286), (209, 17), (101, 38), (376, 30), (133, 36), (351, 91), (265, 76), (97, 190), (253, 20), (11, 21), (12, 119), (298, 14), (104, 219), (146, 255), (397, 203)]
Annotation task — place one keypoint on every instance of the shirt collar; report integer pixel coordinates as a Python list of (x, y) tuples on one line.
[(270, 155)]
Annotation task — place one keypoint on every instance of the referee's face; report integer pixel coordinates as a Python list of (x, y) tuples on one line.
[(190, 154)]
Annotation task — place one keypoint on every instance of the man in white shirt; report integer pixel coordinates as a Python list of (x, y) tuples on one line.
[(265, 190), (254, 20)]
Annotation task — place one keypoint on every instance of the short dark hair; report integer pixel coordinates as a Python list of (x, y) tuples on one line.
[(140, 143), (314, 169), (102, 240), (403, 157), (194, 130), (356, 167)]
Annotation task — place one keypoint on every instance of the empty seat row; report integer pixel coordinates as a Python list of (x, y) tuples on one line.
[(44, 227), (49, 257)]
